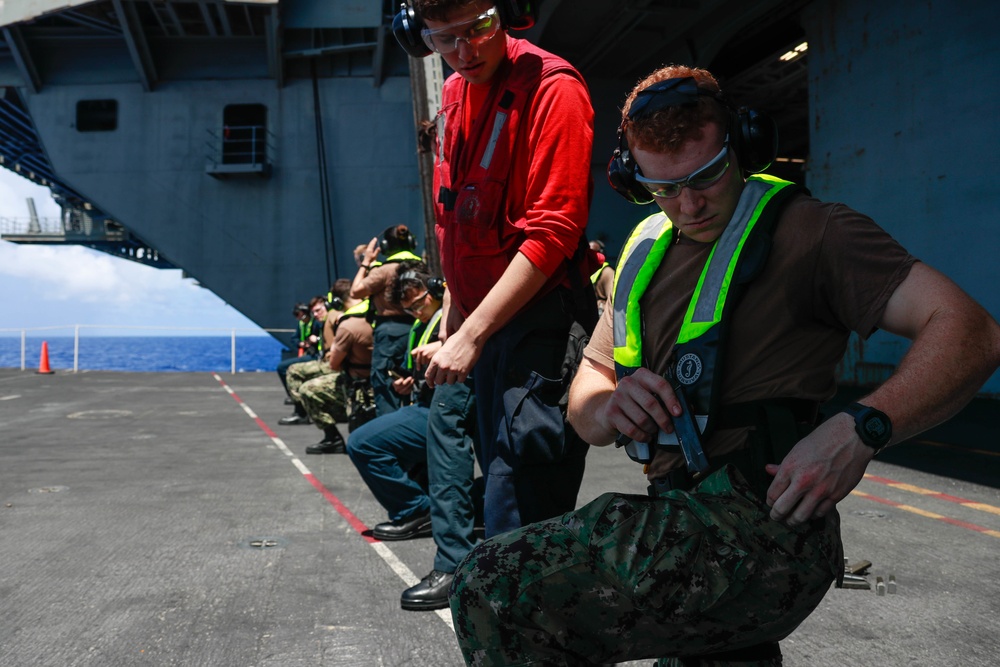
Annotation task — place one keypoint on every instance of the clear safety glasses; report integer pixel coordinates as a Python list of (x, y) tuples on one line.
[(415, 305), (473, 32), (701, 179)]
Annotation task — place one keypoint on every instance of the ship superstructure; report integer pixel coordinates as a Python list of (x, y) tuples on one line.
[(255, 144)]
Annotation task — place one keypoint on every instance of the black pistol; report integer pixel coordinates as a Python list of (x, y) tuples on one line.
[(689, 435), (685, 428)]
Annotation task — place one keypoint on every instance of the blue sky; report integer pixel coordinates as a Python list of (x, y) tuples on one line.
[(56, 286)]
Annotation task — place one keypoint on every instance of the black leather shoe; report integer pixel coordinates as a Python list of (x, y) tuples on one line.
[(327, 447), (419, 526), (294, 420), (333, 443), (431, 593)]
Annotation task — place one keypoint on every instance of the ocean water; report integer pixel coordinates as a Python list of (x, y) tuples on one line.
[(145, 353)]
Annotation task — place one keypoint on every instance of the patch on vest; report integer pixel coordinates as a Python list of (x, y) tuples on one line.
[(688, 369), (469, 210)]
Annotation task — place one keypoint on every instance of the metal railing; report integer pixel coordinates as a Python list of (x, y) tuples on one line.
[(31, 226), (77, 327), (240, 145)]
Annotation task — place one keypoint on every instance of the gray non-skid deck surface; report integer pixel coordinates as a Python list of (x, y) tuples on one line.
[(129, 502)]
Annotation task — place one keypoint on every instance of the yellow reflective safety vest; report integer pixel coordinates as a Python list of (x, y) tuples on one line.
[(737, 257), (597, 274), (357, 310), (402, 255), (424, 335)]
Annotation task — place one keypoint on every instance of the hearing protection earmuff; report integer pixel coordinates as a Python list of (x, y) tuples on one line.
[(390, 243), (406, 25), (334, 302), (754, 136), (435, 286)]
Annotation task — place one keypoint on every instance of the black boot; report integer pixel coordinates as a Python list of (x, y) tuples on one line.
[(298, 417), (332, 443)]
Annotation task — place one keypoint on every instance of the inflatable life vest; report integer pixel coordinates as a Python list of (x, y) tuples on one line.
[(471, 173), (737, 258)]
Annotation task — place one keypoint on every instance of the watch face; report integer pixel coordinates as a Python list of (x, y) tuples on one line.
[(876, 429)]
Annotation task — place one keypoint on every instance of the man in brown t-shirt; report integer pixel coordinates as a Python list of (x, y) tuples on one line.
[(347, 359), (720, 566), (392, 326), (303, 371)]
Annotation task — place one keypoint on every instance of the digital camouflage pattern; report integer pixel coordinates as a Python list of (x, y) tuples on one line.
[(299, 374), (325, 399), (629, 577)]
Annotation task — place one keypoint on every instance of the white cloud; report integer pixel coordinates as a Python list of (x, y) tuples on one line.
[(80, 274), (14, 192), (56, 285)]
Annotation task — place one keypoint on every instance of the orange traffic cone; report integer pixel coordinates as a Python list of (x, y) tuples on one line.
[(43, 362)]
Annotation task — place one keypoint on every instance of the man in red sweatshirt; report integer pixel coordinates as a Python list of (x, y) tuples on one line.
[(512, 182)]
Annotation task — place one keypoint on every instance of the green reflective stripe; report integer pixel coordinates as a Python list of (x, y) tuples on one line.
[(425, 335), (304, 329), (425, 338), (649, 242), (597, 274), (709, 298), (409, 346)]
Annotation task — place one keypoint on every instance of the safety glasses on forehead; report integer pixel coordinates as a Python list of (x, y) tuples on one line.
[(701, 179), (473, 32), (668, 93)]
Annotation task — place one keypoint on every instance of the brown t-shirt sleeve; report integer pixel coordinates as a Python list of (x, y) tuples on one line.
[(859, 266), (600, 349)]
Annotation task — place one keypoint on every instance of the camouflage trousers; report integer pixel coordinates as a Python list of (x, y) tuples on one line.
[(325, 398), (628, 577), (299, 374)]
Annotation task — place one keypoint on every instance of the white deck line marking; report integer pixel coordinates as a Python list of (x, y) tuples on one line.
[(387, 555), (10, 398)]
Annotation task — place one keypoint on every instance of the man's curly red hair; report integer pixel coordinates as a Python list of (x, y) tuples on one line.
[(668, 129)]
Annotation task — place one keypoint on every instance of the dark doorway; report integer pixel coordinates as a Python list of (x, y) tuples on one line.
[(244, 134)]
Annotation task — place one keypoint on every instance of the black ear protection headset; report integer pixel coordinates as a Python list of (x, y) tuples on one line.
[(334, 302), (435, 286), (390, 243), (753, 136), (406, 25)]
